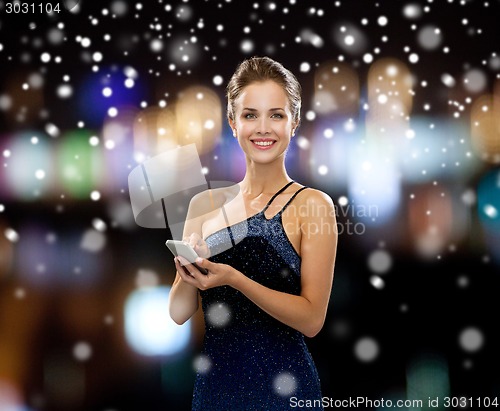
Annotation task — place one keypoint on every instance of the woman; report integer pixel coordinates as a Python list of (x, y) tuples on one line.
[(271, 285)]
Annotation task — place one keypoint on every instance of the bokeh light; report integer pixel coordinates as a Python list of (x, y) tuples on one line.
[(284, 384), (218, 315), (336, 89), (81, 166), (474, 80), (194, 118), (428, 377), (366, 349), (488, 208), (30, 172), (389, 100), (6, 251), (95, 105), (485, 126), (373, 186), (148, 327), (471, 339), (431, 220), (350, 38), (429, 37), (380, 261)]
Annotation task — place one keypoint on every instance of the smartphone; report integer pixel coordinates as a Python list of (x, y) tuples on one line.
[(183, 249)]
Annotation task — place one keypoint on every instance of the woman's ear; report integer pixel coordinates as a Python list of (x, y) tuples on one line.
[(232, 125), (295, 127)]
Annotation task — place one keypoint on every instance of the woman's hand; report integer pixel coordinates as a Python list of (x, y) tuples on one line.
[(218, 274), (199, 245)]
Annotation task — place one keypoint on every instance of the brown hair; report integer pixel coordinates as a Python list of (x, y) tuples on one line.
[(259, 69)]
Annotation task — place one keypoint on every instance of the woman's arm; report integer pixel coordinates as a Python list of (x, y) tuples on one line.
[(183, 300), (305, 312)]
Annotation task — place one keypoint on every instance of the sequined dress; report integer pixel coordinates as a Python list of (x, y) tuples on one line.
[(251, 361)]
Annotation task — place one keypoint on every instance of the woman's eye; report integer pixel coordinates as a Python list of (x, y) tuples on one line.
[(277, 115), (250, 116)]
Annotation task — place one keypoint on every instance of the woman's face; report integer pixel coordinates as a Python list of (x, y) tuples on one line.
[(263, 121)]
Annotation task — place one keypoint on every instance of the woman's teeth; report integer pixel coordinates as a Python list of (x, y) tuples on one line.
[(263, 143)]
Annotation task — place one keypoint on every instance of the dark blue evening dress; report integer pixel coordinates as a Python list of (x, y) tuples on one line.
[(251, 361)]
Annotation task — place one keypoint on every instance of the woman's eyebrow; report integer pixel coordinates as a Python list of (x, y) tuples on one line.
[(271, 109)]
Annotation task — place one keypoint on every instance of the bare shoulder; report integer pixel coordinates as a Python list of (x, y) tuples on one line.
[(211, 199), (314, 202)]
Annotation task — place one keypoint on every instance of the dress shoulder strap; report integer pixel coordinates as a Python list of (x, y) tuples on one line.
[(291, 199), (277, 194)]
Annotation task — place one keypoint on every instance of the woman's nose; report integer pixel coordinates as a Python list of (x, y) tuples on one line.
[(263, 126)]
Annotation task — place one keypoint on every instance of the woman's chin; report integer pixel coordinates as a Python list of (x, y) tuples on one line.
[(266, 157)]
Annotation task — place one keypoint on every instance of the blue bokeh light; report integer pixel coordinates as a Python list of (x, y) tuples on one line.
[(148, 326), (488, 200), (99, 92), (488, 209)]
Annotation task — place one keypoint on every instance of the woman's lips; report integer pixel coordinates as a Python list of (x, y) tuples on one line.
[(263, 143)]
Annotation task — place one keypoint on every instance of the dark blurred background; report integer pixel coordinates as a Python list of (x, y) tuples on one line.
[(400, 125)]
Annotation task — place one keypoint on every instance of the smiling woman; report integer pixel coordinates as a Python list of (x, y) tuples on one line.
[(269, 273), (265, 121)]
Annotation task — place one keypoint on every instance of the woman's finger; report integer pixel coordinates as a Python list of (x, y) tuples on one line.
[(184, 273), (206, 264), (187, 265), (194, 239)]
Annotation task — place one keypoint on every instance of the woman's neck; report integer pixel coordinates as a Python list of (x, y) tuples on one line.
[(264, 178)]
